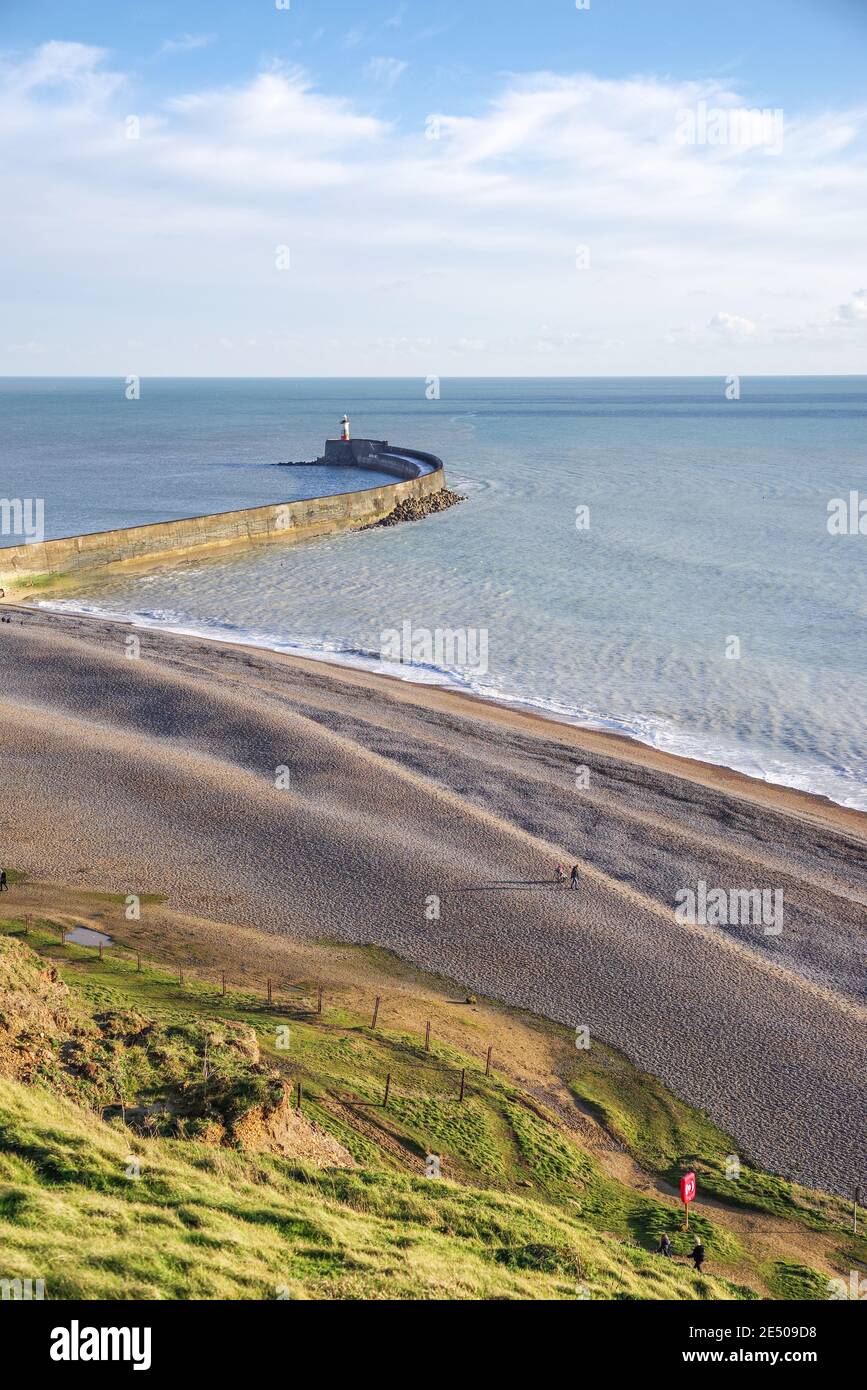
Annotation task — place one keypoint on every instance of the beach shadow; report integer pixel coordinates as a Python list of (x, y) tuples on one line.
[(503, 885)]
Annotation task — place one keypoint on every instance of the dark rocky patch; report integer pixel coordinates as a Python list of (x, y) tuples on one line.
[(416, 508)]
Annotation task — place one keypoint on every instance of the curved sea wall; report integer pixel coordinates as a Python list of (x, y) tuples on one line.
[(420, 475)]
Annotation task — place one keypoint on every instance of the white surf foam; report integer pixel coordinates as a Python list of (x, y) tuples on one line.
[(837, 784)]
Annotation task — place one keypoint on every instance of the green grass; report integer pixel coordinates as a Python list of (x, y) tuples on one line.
[(666, 1136), (205, 1223), (794, 1281), (530, 1214)]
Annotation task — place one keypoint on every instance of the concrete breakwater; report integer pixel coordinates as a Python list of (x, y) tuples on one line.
[(419, 476)]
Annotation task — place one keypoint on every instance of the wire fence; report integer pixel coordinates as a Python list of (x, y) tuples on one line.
[(433, 1077)]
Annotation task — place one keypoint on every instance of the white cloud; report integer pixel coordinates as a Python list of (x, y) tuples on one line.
[(26, 349), (385, 71), (473, 234), (733, 325), (186, 43), (276, 107), (53, 64), (75, 70), (855, 311)]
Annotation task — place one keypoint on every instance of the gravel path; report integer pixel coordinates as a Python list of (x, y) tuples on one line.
[(157, 775)]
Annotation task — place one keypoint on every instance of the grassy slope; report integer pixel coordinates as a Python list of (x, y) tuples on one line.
[(665, 1135), (214, 1223), (526, 1214)]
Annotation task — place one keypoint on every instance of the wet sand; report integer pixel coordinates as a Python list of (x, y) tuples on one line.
[(159, 775)]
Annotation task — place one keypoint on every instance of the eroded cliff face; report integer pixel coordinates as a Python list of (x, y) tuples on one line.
[(286, 1131)]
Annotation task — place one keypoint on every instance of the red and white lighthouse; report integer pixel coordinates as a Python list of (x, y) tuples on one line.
[(344, 427)]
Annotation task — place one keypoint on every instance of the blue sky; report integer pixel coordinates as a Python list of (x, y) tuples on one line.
[(209, 187), (804, 51)]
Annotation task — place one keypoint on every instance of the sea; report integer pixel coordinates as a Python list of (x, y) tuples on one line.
[(675, 559)]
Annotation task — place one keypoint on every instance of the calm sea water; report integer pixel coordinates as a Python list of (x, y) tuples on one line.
[(705, 609), (182, 448)]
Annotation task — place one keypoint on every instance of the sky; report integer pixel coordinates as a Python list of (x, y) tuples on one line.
[(485, 188)]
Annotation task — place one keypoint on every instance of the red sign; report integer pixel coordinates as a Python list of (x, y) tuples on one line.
[(687, 1188)]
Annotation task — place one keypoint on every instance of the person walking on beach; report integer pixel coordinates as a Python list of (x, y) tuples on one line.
[(573, 878), (698, 1255), (3, 883), (664, 1246)]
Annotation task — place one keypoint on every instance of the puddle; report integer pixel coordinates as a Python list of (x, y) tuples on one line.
[(86, 936)]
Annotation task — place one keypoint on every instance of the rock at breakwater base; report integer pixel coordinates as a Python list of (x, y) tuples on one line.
[(416, 508)]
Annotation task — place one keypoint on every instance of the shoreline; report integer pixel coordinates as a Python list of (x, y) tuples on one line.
[(157, 776), (718, 776), (622, 746)]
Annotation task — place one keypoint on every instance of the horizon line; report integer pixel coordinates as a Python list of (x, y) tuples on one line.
[(451, 376)]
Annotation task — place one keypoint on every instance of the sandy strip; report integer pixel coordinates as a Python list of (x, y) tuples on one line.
[(158, 775)]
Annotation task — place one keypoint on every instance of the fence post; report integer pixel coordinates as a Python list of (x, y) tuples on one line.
[(100, 950), (488, 1060), (298, 1097), (181, 976), (319, 1001), (224, 983), (375, 1012), (269, 990), (427, 1036), (138, 960), (463, 1082), (387, 1089)]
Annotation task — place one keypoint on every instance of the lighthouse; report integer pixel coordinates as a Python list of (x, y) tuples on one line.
[(344, 427)]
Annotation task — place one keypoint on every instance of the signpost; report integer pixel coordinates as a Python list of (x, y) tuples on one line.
[(687, 1193)]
